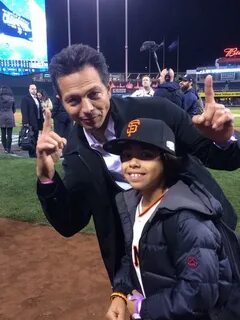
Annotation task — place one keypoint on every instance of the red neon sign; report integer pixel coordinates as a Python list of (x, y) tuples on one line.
[(232, 52)]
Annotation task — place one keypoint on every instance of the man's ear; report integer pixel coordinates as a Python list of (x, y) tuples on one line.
[(109, 90)]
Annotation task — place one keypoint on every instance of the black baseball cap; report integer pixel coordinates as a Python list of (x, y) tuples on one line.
[(149, 131), (187, 77)]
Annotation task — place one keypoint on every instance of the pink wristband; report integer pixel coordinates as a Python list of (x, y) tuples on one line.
[(47, 181), (137, 305)]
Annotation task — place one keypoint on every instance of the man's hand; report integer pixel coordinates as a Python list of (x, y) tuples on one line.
[(216, 122), (162, 75), (49, 149), (117, 310)]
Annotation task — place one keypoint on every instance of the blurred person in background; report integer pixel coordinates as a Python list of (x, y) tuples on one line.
[(32, 114), (7, 121), (46, 102), (168, 88), (191, 102), (146, 90)]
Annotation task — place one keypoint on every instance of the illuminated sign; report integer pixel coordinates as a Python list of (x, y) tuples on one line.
[(15, 25), (222, 94), (231, 52), (23, 37), (220, 70), (119, 90)]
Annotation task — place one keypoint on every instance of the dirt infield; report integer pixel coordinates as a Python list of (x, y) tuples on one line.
[(46, 276)]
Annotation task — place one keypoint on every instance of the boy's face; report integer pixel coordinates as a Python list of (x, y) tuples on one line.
[(142, 167)]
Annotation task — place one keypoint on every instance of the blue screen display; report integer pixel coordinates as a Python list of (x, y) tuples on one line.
[(23, 37)]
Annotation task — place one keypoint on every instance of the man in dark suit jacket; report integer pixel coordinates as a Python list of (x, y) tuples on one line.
[(92, 176), (32, 114)]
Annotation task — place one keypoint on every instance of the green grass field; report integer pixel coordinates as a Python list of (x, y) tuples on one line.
[(18, 198), (18, 183), (18, 119), (236, 113)]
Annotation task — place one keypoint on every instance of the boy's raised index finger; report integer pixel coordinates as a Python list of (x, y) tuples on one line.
[(208, 89), (47, 124)]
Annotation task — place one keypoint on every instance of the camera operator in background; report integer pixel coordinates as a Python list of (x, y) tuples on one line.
[(168, 88), (146, 90), (192, 103)]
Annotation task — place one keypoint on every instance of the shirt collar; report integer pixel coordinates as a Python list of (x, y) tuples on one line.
[(109, 134)]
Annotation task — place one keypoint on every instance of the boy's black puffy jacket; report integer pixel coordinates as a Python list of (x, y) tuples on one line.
[(184, 281)]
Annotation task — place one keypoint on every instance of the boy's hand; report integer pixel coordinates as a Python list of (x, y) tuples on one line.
[(117, 310)]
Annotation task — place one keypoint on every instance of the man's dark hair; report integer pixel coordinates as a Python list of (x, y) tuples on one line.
[(74, 58)]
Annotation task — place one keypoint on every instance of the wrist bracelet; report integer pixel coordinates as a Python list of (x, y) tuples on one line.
[(226, 144), (120, 295), (49, 181)]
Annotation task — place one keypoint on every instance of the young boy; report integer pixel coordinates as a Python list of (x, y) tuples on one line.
[(164, 276)]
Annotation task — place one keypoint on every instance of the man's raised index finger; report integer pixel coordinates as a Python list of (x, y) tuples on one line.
[(47, 124), (208, 89)]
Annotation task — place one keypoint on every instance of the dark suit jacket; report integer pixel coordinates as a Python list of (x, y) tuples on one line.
[(30, 113), (89, 190)]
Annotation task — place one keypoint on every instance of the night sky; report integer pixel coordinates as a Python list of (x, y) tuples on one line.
[(204, 27)]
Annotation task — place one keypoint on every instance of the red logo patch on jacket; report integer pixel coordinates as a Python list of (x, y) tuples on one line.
[(192, 262)]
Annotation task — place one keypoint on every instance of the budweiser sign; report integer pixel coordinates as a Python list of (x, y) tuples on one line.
[(232, 52)]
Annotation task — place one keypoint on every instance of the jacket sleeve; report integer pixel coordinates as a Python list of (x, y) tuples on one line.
[(189, 102), (190, 141), (198, 272), (122, 280), (62, 207), (24, 111), (157, 92), (188, 138)]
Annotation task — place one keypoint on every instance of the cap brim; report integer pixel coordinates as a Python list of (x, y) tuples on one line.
[(116, 146), (185, 79)]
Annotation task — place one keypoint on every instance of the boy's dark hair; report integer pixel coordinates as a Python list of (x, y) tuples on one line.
[(172, 166), (74, 58)]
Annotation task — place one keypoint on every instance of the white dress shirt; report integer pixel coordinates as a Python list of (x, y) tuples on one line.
[(112, 161)]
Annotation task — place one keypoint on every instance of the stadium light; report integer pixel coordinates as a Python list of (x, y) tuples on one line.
[(69, 23), (126, 40), (98, 26)]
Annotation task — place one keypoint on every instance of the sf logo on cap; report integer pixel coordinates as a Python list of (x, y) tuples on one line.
[(132, 127)]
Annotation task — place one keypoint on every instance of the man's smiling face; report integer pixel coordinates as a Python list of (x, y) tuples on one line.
[(85, 97)]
